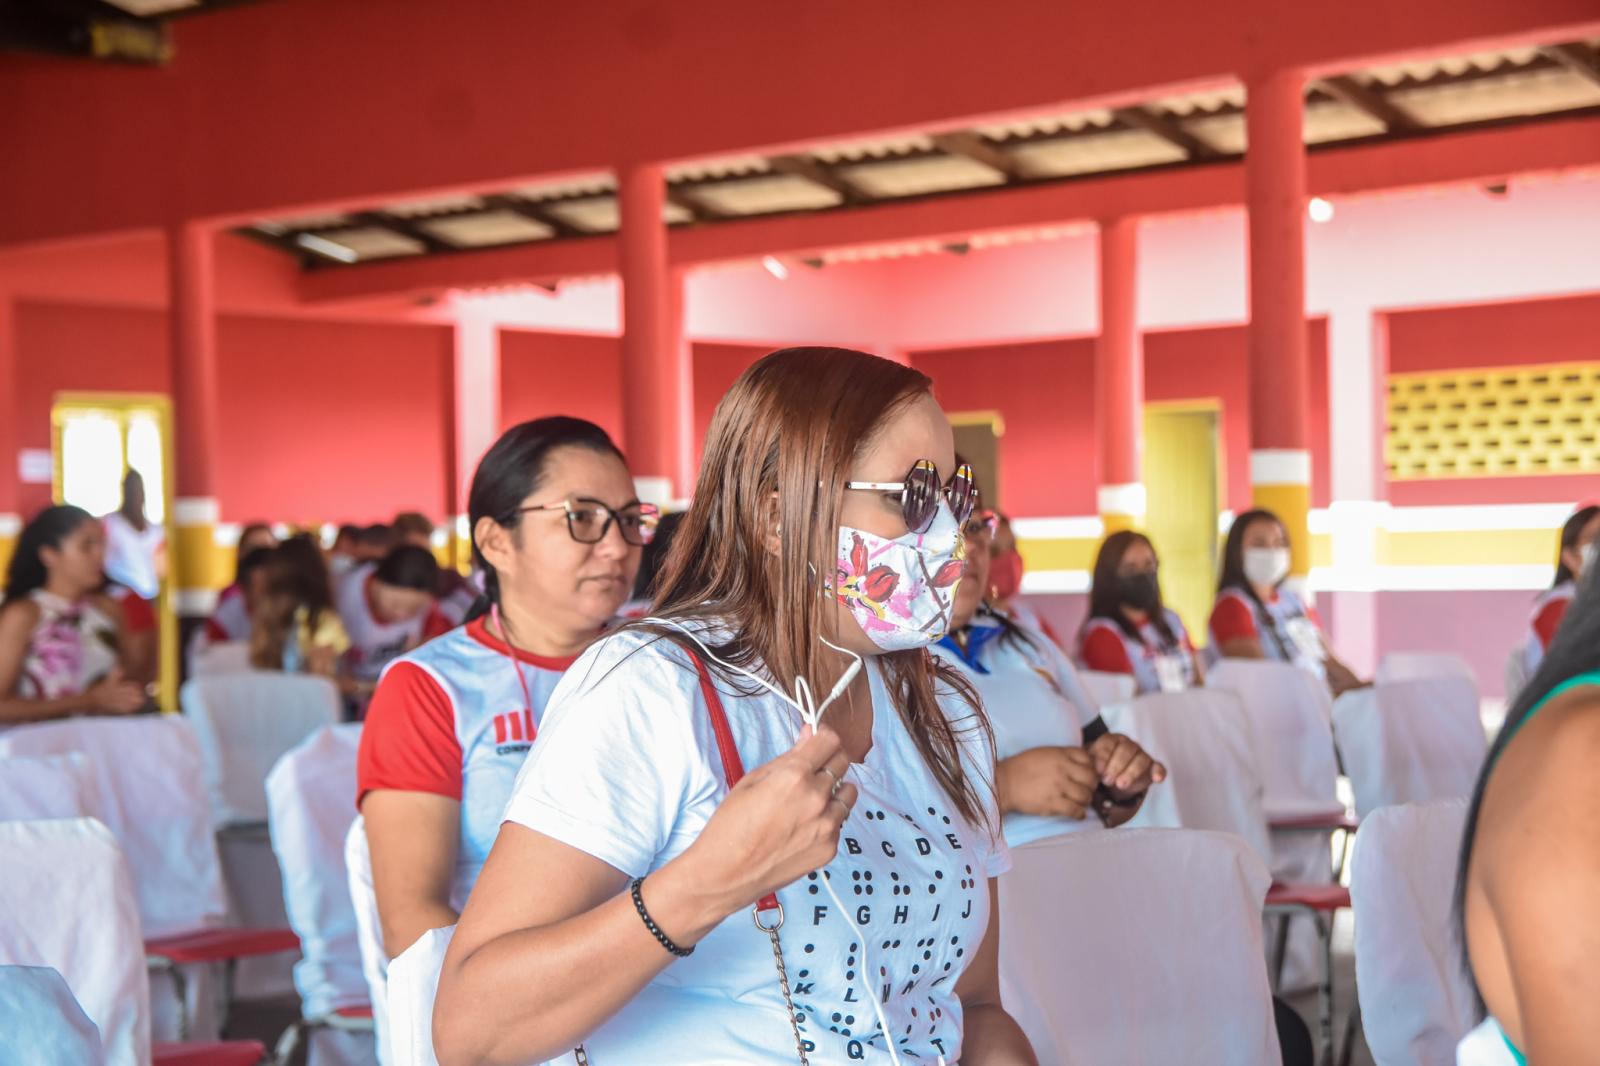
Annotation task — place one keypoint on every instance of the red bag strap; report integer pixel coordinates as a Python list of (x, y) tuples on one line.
[(732, 767)]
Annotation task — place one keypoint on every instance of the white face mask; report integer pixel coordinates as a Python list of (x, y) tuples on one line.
[(1587, 554), (1266, 566), (902, 591)]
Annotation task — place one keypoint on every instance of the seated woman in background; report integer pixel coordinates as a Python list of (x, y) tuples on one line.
[(1129, 630), (60, 636), (1255, 617), (294, 625), (1529, 873), (230, 619), (1005, 581), (452, 592), (556, 531), (388, 608), (1580, 535), (1058, 764)]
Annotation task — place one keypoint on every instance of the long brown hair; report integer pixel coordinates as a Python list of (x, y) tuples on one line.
[(295, 577), (777, 456)]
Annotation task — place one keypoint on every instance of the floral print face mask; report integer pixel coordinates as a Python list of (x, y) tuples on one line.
[(902, 591)]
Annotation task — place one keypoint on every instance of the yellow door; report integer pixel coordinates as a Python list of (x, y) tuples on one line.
[(98, 438), (1181, 481)]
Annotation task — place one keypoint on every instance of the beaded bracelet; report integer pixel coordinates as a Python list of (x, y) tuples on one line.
[(649, 923)]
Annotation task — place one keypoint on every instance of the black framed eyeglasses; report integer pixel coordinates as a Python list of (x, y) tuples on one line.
[(588, 521), (920, 492)]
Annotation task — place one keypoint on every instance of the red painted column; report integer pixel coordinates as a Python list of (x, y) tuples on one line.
[(657, 374), (10, 487), (1119, 378), (196, 566), (1275, 182)]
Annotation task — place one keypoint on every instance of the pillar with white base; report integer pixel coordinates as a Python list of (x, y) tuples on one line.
[(1275, 182)]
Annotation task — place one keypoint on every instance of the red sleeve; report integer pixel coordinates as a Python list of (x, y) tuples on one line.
[(409, 740), (1548, 620), (1103, 650), (137, 617), (1231, 619), (435, 625), (214, 631)]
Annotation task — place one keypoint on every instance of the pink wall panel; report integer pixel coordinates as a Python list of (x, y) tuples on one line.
[(561, 374)]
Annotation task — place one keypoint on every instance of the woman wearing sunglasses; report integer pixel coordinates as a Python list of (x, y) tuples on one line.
[(556, 531), (650, 902)]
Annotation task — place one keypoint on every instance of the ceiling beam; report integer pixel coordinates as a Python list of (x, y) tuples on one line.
[(534, 211), (817, 173), (406, 227), (1578, 58), (1168, 129), (1370, 101), (973, 146), (681, 196), (1478, 155)]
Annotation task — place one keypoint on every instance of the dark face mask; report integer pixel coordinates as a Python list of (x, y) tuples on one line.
[(1140, 591)]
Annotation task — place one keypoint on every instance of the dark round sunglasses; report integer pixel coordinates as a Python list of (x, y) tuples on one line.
[(588, 521), (920, 492)]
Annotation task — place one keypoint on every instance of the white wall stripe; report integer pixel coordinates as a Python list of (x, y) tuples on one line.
[(10, 525), (1516, 578), (1125, 499), (1035, 582), (1280, 466), (196, 511), (1088, 527), (196, 603)]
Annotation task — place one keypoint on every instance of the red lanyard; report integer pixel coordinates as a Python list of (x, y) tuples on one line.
[(511, 653)]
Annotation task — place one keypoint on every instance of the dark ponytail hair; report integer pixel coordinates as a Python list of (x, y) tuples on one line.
[(49, 529), (409, 567), (1575, 650), (1104, 598), (1571, 530), (513, 468)]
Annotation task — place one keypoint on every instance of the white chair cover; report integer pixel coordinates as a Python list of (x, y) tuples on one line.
[(310, 805), (413, 980), (369, 933), (1291, 723), (1415, 999), (1410, 741), (228, 657), (1107, 690), (1202, 737), (148, 775), (66, 902), (245, 723), (1422, 665), (48, 786), (1138, 947), (43, 1023)]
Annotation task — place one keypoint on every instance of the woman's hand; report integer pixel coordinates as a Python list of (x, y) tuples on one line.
[(780, 821), (1123, 766), (1058, 782), (113, 695)]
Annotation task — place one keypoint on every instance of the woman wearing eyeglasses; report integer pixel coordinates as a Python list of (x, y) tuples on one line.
[(835, 904), (556, 531)]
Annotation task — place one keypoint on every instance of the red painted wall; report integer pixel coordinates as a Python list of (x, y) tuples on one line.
[(330, 420), (1558, 330), (321, 421), (561, 374), (716, 368), (1044, 390)]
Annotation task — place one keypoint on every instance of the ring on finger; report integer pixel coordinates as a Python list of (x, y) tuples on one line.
[(838, 782)]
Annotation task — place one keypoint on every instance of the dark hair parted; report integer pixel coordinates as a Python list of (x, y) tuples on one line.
[(514, 467)]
